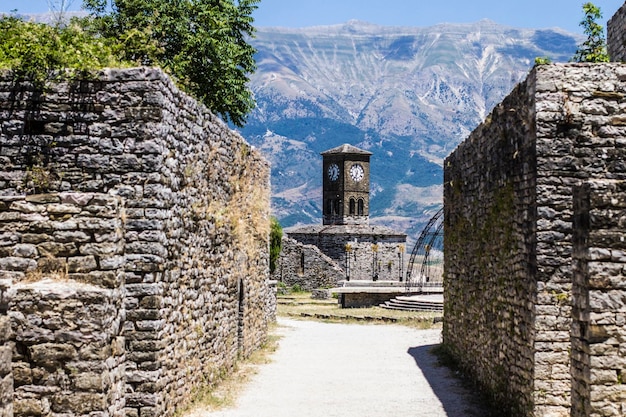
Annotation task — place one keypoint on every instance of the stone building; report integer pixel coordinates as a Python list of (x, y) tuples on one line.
[(534, 228), (134, 249), (345, 243)]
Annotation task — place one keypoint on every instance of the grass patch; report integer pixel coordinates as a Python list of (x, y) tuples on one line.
[(302, 306)]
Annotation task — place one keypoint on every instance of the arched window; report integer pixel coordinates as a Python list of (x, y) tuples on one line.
[(336, 207), (360, 209), (352, 207)]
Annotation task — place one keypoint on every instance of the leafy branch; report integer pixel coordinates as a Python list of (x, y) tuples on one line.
[(40, 52), (594, 48)]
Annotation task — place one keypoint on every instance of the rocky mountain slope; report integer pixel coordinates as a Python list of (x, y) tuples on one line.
[(409, 95)]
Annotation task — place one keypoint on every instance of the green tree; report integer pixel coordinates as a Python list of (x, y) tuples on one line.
[(202, 43), (38, 51), (594, 48), (276, 236)]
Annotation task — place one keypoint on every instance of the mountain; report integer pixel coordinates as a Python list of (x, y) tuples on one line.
[(407, 94)]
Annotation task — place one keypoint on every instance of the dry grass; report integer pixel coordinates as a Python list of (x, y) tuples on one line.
[(302, 306), (227, 390)]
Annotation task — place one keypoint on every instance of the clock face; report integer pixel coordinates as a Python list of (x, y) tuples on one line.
[(333, 172), (356, 172)]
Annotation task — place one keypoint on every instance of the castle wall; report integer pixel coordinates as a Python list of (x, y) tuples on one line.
[(62, 254), (374, 259), (367, 255), (508, 230), (195, 252), (489, 227), (616, 35), (599, 300), (306, 266), (6, 350)]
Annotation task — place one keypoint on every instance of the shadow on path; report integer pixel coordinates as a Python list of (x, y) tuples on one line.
[(456, 397)]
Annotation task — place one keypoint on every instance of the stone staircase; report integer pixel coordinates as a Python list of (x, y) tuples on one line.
[(415, 303)]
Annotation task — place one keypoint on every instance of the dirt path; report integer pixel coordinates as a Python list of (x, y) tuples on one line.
[(347, 370)]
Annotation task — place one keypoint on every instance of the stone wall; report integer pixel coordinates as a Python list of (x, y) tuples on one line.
[(6, 349), (194, 256), (508, 246), (62, 253), (69, 355), (616, 35), (306, 266), (488, 321), (363, 252), (599, 300)]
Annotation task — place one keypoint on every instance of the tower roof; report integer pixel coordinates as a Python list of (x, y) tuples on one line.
[(346, 149)]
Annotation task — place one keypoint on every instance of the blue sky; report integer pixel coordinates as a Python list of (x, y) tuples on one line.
[(298, 13)]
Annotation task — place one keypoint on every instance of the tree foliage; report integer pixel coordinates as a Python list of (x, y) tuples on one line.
[(276, 236), (202, 43), (38, 51), (594, 48)]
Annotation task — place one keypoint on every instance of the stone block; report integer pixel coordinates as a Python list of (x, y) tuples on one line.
[(131, 412), (148, 412), (79, 403), (22, 373), (89, 381), (81, 264), (5, 329), (54, 249), (28, 407), (6, 389), (5, 359), (52, 354)]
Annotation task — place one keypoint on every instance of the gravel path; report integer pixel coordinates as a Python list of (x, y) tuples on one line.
[(348, 370)]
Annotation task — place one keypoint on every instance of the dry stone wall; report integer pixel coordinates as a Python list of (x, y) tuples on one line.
[(508, 228), (489, 255), (599, 306), (62, 255), (616, 35), (6, 350), (363, 252), (193, 254), (306, 266)]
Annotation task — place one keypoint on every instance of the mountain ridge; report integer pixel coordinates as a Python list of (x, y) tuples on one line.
[(407, 94)]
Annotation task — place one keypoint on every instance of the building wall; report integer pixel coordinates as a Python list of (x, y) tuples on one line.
[(508, 228), (599, 300), (195, 256), (363, 254), (306, 266), (616, 35)]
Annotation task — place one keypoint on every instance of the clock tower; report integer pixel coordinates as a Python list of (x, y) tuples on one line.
[(346, 186)]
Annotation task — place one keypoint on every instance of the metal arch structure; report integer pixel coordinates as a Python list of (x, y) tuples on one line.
[(430, 238)]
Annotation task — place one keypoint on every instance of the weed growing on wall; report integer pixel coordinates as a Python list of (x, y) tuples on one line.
[(593, 49)]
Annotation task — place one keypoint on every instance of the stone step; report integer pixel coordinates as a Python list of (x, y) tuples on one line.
[(413, 304), (396, 303), (414, 308)]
